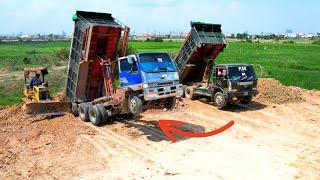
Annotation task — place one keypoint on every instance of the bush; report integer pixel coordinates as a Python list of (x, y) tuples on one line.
[(26, 60), (288, 42), (248, 40), (11, 64), (317, 42), (44, 60), (158, 40), (33, 51), (62, 54), (130, 50)]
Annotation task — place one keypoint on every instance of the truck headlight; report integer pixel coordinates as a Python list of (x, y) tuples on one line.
[(145, 86), (149, 85)]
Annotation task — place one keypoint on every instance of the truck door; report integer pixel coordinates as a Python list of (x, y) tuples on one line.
[(130, 73), (220, 76)]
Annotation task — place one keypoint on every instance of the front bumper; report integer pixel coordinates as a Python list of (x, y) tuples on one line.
[(162, 92), (232, 94)]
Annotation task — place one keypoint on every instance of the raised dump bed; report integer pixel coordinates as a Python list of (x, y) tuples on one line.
[(95, 40), (202, 46)]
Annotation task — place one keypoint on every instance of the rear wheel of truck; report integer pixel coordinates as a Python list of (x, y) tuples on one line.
[(74, 109), (104, 113), (188, 93), (95, 115), (246, 100), (134, 105), (220, 100), (170, 103), (84, 112)]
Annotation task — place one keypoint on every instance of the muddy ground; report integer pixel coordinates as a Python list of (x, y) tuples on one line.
[(277, 136)]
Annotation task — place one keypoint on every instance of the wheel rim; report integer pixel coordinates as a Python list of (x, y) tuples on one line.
[(133, 105), (219, 99), (92, 116), (81, 113)]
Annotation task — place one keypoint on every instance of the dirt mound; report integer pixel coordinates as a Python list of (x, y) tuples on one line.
[(273, 91), (26, 139), (60, 96)]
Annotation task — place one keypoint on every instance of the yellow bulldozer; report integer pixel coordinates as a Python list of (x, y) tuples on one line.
[(37, 99)]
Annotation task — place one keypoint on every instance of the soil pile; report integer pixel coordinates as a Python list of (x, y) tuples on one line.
[(273, 91)]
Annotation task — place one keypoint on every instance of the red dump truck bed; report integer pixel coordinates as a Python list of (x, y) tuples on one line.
[(94, 45)]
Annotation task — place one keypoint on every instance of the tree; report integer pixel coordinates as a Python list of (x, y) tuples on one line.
[(232, 36)]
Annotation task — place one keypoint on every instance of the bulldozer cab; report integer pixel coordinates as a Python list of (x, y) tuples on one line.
[(33, 71), (33, 91)]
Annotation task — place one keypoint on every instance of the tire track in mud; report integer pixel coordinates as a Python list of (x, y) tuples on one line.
[(99, 144), (126, 144)]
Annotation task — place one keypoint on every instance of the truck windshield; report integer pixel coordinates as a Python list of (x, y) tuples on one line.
[(156, 62), (241, 73)]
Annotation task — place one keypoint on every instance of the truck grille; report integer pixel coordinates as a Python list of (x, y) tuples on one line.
[(164, 84)]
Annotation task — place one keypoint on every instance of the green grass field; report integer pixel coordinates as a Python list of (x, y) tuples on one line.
[(12, 55), (292, 64)]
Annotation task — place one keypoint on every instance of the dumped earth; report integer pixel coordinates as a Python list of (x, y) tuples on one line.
[(275, 92), (277, 135)]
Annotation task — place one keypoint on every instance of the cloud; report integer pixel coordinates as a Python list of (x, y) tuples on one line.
[(234, 5)]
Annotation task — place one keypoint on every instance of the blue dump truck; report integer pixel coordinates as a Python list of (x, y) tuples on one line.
[(101, 85)]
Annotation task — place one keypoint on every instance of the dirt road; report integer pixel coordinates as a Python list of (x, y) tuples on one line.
[(270, 140)]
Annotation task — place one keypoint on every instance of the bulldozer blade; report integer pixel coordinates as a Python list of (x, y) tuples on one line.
[(47, 108)]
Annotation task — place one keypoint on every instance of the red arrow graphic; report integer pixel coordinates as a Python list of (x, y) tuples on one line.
[(167, 127)]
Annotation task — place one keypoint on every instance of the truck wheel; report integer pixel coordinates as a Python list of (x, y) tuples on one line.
[(74, 109), (95, 115), (189, 93), (84, 112), (246, 100), (134, 105), (170, 103), (220, 100), (104, 113)]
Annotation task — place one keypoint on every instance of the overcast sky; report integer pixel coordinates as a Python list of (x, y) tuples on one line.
[(254, 16)]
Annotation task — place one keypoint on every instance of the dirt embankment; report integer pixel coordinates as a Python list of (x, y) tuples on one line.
[(273, 91), (275, 137)]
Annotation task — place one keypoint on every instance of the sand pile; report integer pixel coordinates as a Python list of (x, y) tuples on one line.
[(273, 91)]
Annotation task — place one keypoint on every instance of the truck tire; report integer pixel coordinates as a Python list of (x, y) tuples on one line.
[(170, 103), (104, 113), (83, 110), (134, 105), (188, 93), (246, 100), (74, 109), (95, 115), (220, 100)]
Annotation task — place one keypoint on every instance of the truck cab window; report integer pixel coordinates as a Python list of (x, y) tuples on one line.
[(125, 65)]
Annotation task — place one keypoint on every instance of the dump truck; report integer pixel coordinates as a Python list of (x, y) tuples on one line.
[(201, 77), (102, 82)]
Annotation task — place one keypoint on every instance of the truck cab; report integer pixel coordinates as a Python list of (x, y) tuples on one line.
[(153, 76)]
